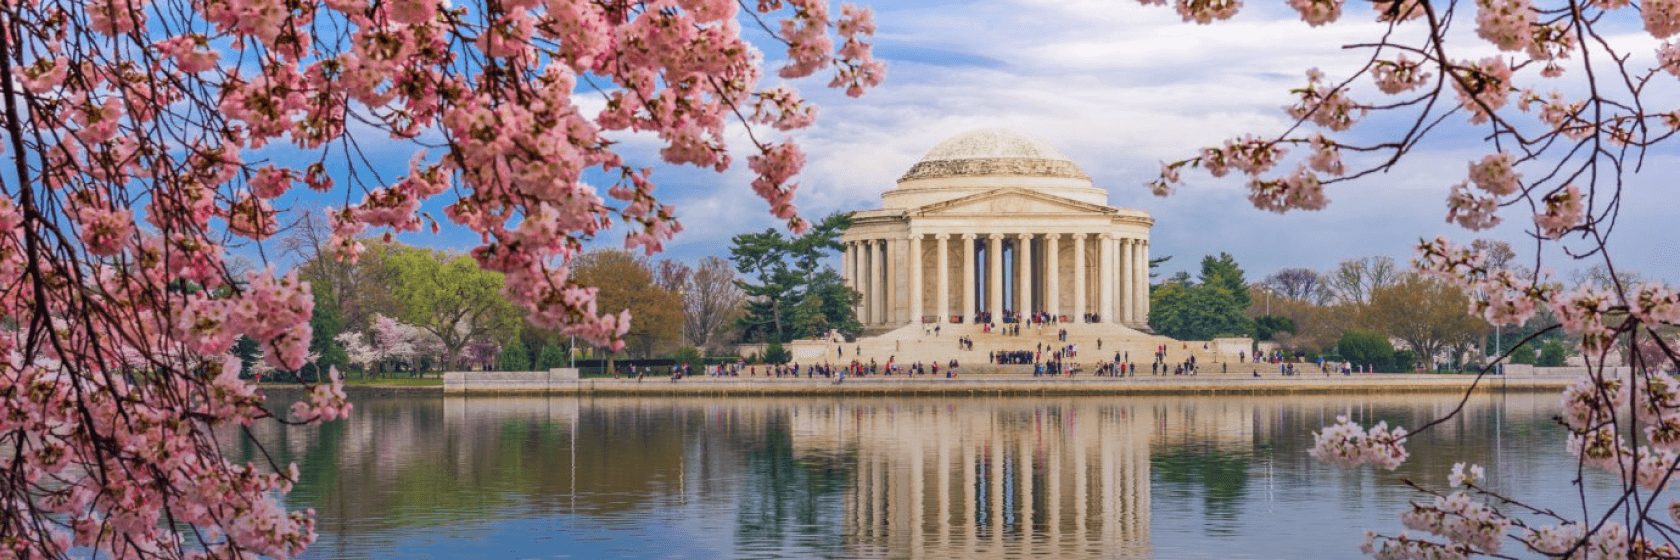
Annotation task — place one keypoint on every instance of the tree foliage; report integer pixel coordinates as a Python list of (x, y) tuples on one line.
[(1268, 326), (551, 357), (1222, 273), (775, 353), (792, 295), (1197, 312), (514, 357), (1366, 348), (451, 297), (1552, 354), (1429, 315), (628, 283)]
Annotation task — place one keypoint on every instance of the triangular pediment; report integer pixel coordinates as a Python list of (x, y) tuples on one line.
[(1012, 201)]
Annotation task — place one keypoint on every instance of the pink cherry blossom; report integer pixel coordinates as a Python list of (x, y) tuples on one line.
[(1564, 210), (1325, 105), (1472, 211)]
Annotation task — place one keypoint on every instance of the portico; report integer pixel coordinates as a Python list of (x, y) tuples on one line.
[(992, 225)]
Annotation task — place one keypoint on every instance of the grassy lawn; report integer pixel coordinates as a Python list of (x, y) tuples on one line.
[(396, 382)]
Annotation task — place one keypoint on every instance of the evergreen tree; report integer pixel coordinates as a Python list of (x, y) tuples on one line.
[(1552, 354), (1214, 307), (514, 357), (551, 357), (1222, 273), (791, 295), (776, 354)]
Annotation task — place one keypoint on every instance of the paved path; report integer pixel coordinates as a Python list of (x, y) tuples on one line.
[(1029, 385)]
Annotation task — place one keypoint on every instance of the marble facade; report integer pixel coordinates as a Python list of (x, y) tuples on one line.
[(993, 221)]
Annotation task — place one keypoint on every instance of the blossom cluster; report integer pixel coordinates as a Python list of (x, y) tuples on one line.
[(1325, 105), (1348, 444), (1461, 520)]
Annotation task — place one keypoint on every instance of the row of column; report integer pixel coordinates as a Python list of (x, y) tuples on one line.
[(1122, 277), (960, 490)]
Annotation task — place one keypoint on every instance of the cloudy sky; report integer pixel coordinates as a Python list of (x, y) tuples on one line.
[(1120, 87)]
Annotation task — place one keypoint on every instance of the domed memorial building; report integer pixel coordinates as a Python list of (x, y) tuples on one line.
[(993, 224)]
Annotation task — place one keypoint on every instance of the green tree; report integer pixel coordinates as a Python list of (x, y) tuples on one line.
[(1365, 348), (453, 298), (1213, 307), (691, 356), (1266, 326), (1405, 361), (774, 353), (1524, 354), (325, 324), (1552, 354), (791, 293), (1196, 312), (514, 357), (1222, 273), (551, 357)]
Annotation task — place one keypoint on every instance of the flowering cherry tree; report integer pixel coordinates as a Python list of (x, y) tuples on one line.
[(388, 340), (145, 138), (1570, 108)]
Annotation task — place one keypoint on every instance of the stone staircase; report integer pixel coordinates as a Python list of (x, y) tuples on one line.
[(913, 344)]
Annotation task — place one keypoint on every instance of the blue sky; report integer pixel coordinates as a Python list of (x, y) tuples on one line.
[(1120, 87)]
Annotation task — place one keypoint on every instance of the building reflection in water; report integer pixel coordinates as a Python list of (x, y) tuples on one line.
[(1068, 477), (985, 479)]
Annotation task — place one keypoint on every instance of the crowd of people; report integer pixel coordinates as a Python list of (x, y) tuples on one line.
[(1045, 359)]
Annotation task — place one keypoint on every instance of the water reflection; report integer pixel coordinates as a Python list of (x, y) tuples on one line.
[(1073, 477)]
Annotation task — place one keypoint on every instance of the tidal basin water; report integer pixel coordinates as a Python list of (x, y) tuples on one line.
[(1010, 477)]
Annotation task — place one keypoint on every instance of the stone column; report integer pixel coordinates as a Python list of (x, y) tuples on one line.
[(994, 275), (1121, 284), (872, 283), (893, 284), (968, 277), (1023, 297), (1105, 278), (914, 261), (1128, 272), (1079, 277), (1052, 276), (846, 266), (1143, 282), (944, 282), (852, 280)]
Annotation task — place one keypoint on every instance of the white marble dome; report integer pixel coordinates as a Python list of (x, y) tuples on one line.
[(994, 143), (981, 160)]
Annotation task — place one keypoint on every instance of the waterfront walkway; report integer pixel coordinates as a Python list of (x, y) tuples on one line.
[(996, 384)]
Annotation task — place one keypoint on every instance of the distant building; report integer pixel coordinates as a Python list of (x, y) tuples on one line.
[(994, 221)]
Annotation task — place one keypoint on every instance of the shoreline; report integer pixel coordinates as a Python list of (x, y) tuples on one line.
[(984, 385)]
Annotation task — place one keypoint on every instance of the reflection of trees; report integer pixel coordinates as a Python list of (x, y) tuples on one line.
[(1221, 475), (967, 478), (786, 500)]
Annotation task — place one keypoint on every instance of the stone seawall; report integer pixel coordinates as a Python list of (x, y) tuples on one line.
[(509, 381), (536, 383)]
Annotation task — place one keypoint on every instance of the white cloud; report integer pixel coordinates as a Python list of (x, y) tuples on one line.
[(1120, 87)]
